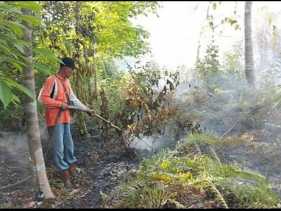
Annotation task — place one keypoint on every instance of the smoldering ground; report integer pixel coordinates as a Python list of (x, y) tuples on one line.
[(16, 175), (227, 108)]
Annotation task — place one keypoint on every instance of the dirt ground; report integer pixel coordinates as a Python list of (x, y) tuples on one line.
[(99, 172)]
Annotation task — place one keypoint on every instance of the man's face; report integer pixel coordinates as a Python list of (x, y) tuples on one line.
[(67, 71)]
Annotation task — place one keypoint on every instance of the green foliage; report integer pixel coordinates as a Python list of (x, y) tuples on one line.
[(12, 60), (149, 76), (146, 197), (114, 88), (11, 51), (134, 101), (171, 173), (146, 96), (210, 139), (233, 60), (203, 138), (101, 29), (6, 94), (209, 66), (94, 34), (230, 19), (232, 22)]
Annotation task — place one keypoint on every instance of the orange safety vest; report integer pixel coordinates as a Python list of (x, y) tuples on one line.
[(55, 91)]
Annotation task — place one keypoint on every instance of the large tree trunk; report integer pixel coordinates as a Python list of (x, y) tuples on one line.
[(249, 63), (30, 110)]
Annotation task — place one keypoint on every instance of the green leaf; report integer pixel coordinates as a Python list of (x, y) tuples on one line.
[(15, 100), (214, 6), (6, 8), (232, 21), (43, 68), (34, 6), (31, 19), (20, 87), (4, 47), (46, 53), (6, 95), (17, 66), (237, 27), (20, 48), (17, 28)]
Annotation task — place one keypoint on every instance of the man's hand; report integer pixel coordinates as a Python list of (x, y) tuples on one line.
[(64, 106), (90, 112)]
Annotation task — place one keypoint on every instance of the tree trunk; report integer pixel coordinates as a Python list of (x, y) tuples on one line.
[(249, 63), (30, 110)]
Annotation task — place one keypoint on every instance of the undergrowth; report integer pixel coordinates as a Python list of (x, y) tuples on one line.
[(182, 178)]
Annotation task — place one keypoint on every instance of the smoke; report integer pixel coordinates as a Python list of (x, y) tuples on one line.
[(15, 150), (15, 145), (15, 163), (148, 145), (226, 106)]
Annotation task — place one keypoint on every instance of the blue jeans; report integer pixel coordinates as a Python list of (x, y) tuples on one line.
[(63, 147)]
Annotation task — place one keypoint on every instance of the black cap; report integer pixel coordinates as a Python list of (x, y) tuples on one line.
[(68, 62)]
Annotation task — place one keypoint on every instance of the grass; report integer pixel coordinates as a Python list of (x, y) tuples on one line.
[(184, 179)]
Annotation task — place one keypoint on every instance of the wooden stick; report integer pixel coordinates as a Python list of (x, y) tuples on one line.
[(230, 129), (249, 112), (215, 154), (17, 183), (100, 117), (94, 113)]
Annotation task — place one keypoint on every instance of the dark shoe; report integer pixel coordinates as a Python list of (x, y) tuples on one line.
[(66, 179), (74, 172), (72, 169)]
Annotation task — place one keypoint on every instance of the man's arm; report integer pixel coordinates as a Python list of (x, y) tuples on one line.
[(76, 102)]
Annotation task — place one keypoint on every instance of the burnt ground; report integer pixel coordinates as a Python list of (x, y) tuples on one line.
[(259, 153), (99, 170), (104, 169), (103, 165), (14, 167)]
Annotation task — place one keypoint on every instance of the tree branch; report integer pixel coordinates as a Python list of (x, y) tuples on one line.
[(17, 183)]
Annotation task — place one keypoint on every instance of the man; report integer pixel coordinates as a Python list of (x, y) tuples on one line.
[(56, 95)]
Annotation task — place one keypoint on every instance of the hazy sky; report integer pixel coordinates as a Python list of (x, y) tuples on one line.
[(174, 35)]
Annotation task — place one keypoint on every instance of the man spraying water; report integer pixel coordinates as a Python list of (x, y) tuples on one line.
[(57, 97)]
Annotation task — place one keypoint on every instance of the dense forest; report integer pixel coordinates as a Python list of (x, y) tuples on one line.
[(144, 135)]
